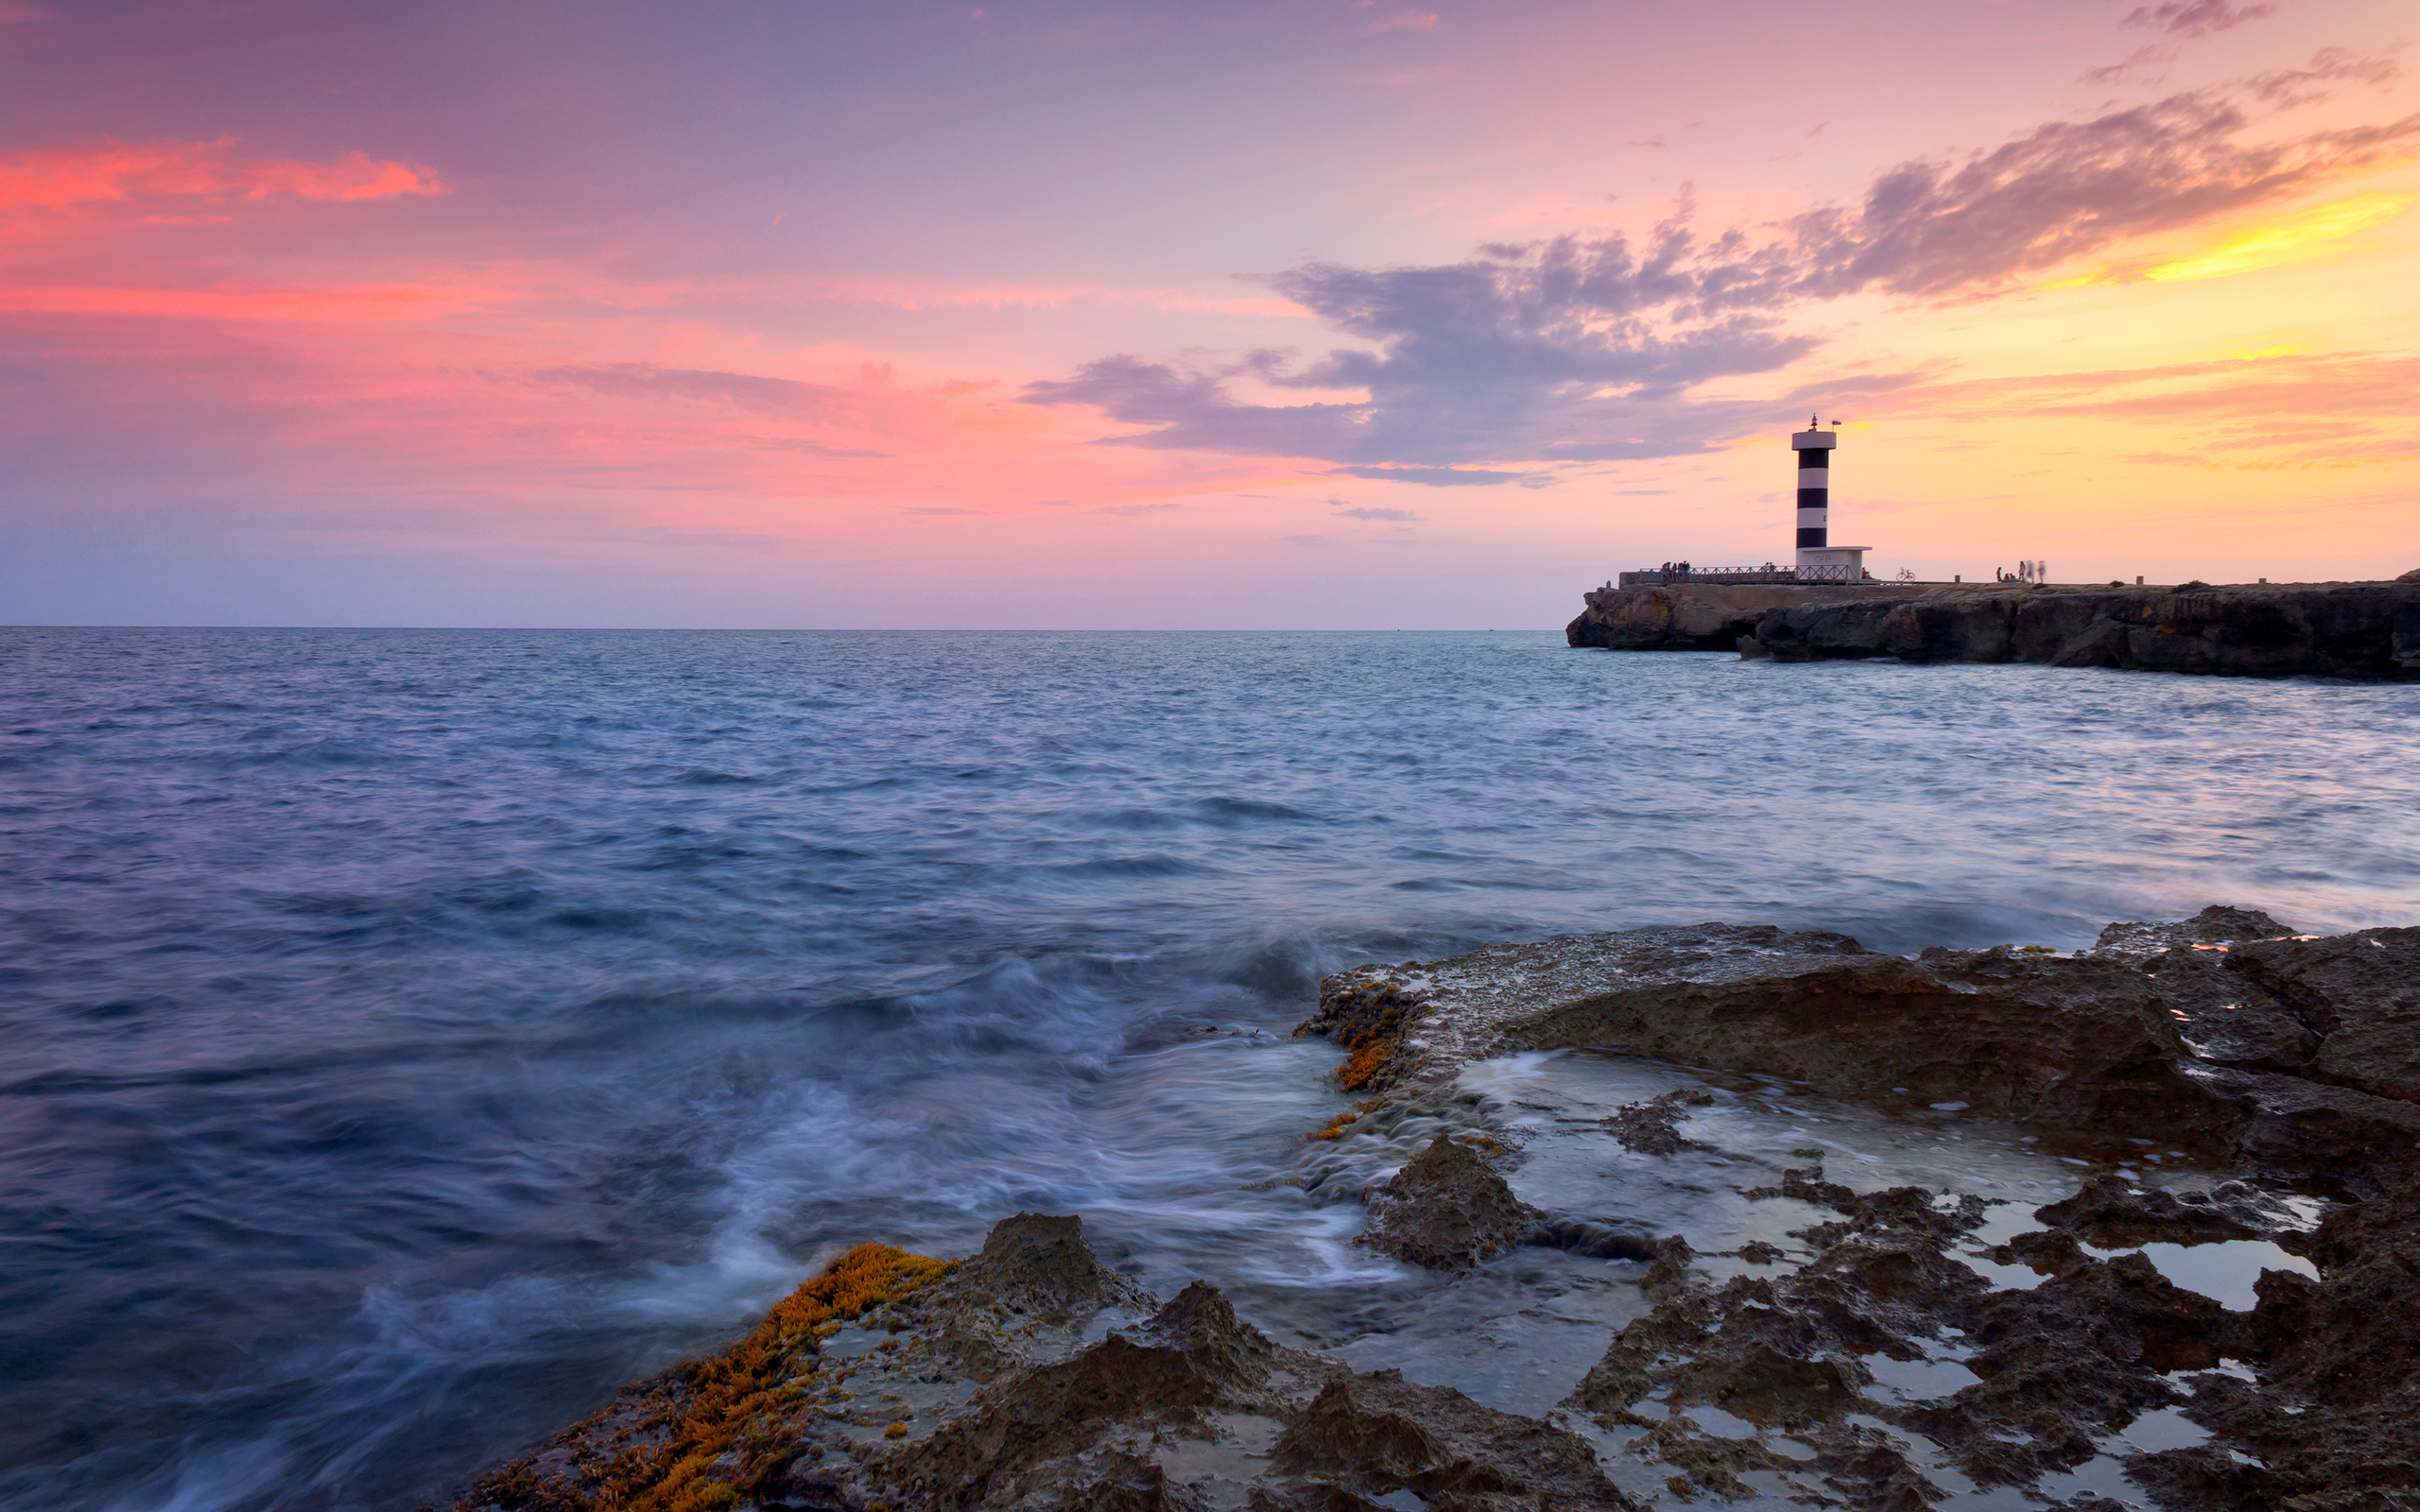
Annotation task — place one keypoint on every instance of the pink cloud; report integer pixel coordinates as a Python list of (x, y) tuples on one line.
[(365, 302), (118, 172)]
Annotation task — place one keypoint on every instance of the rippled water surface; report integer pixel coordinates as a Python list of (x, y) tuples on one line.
[(411, 1034)]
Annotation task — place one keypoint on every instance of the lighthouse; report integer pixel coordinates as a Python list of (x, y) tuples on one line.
[(1819, 560)]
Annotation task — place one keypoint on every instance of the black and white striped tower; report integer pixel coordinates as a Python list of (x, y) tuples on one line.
[(1814, 449)]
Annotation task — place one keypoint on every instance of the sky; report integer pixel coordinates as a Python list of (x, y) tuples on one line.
[(1321, 314)]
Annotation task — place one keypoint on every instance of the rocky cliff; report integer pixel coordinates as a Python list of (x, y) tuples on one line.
[(1699, 616), (2363, 630)]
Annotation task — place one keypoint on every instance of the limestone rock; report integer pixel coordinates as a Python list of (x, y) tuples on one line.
[(1192, 1357), (1091, 1404), (2078, 1357), (1447, 1209), (2282, 1056), (2224, 1016), (2365, 630), (1377, 1433), (1653, 1127), (2113, 1215), (2295, 1129), (1041, 1263), (2215, 925), (2083, 1042), (1692, 616), (2359, 993)]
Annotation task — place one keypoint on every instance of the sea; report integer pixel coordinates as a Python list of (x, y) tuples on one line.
[(408, 1035)]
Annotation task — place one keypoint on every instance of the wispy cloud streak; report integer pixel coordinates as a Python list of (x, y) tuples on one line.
[(109, 171), (2195, 18)]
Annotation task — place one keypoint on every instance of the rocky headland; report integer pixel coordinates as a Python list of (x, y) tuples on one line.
[(1898, 1346), (2361, 630)]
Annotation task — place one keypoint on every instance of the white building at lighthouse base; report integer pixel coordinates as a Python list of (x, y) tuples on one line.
[(1832, 564)]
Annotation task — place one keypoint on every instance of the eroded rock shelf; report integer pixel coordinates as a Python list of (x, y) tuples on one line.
[(2230, 1331)]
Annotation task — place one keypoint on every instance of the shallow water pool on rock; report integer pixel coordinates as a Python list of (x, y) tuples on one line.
[(1521, 1331), (2223, 1270), (1750, 1131)]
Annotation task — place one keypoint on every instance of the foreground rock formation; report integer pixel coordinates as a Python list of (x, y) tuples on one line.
[(2292, 1060), (2292, 1056), (2364, 630), (1032, 1377), (1909, 1350)]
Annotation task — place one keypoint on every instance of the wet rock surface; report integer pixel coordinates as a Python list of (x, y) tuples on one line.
[(1377, 1435), (1653, 1127), (2357, 995), (1908, 1359), (2113, 1215), (1803, 1358), (2217, 924), (1447, 1209), (1879, 1346), (2085, 1041), (2330, 1421), (1032, 1377)]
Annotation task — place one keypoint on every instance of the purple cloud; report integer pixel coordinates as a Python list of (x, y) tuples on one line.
[(636, 380), (2141, 61), (1437, 477), (2194, 18), (1585, 348), (2071, 188)]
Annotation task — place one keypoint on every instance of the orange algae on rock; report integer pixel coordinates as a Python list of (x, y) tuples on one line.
[(681, 1442), (1368, 1020), (1334, 1129), (1365, 1065)]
